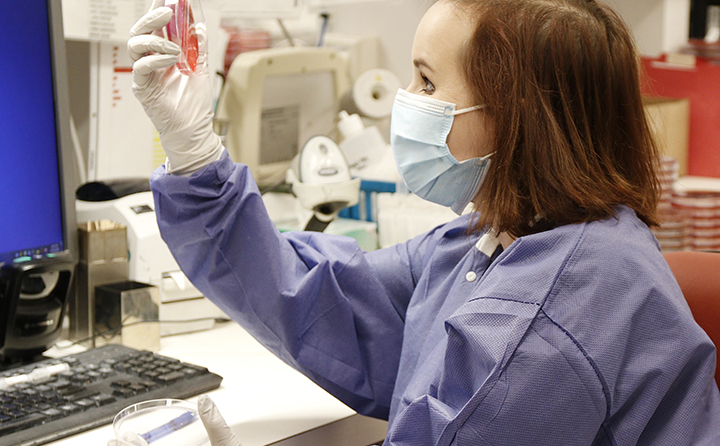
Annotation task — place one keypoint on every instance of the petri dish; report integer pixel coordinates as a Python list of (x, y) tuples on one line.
[(162, 422), (182, 30)]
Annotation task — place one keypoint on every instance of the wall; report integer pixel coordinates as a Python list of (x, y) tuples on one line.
[(393, 22), (659, 26)]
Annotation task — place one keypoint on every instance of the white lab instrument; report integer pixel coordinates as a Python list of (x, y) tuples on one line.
[(320, 178), (276, 99), (372, 94), (150, 261), (368, 154)]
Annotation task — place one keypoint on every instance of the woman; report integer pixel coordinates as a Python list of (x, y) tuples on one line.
[(547, 316)]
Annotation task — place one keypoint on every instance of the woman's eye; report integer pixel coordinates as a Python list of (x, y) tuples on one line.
[(429, 87)]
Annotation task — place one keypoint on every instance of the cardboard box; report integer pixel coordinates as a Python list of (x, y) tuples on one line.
[(670, 120)]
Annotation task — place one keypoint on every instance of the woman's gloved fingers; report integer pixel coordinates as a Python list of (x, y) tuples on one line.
[(144, 67), (154, 20), (218, 431), (143, 44)]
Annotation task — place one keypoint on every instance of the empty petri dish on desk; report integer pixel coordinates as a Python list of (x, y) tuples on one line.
[(163, 422)]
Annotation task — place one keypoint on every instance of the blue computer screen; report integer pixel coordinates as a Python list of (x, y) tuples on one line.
[(30, 191)]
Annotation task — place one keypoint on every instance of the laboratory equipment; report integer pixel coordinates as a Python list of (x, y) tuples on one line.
[(275, 100), (368, 154), (167, 421), (102, 260), (182, 30), (37, 223), (372, 94), (151, 262), (320, 177), (96, 385)]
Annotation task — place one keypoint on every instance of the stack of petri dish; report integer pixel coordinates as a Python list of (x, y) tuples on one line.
[(244, 40), (668, 176), (674, 231), (699, 199), (702, 208)]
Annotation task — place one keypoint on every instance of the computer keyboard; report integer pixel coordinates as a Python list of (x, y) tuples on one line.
[(88, 389)]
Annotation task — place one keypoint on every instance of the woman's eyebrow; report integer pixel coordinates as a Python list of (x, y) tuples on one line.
[(422, 63)]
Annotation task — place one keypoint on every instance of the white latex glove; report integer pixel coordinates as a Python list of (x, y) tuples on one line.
[(218, 431), (179, 106)]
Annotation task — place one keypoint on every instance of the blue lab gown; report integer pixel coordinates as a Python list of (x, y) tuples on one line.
[(575, 336)]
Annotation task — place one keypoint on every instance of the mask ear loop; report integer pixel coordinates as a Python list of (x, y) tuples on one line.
[(465, 110)]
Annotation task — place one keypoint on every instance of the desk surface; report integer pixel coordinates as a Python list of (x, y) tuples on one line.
[(261, 398)]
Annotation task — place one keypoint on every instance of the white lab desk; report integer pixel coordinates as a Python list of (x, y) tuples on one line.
[(261, 398)]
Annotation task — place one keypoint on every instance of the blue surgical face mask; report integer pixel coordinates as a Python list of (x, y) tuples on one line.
[(418, 134)]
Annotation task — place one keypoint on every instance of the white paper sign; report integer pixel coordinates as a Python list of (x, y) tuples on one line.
[(257, 8), (101, 20)]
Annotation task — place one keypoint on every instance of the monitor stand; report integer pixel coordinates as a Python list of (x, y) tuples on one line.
[(33, 298)]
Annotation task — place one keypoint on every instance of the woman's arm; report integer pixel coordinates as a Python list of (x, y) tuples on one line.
[(319, 302)]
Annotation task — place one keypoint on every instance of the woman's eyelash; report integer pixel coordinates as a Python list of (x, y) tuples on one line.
[(429, 87)]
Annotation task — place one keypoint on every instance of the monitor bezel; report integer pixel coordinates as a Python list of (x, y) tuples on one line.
[(68, 174)]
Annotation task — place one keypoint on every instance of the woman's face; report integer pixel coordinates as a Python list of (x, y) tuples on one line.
[(438, 57)]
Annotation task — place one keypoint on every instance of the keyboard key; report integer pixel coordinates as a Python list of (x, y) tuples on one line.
[(71, 389), (85, 393), (70, 408), (170, 377), (198, 368), (103, 399), (52, 412), (59, 384), (80, 379), (22, 423), (123, 392), (85, 403)]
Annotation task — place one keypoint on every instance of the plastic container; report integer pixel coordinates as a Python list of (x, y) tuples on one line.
[(164, 422), (183, 30)]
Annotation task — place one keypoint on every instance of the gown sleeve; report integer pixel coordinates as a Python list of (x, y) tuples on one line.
[(319, 302)]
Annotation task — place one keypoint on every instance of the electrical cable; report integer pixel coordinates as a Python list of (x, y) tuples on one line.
[(286, 33), (323, 29)]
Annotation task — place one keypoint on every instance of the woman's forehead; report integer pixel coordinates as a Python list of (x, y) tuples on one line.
[(442, 35)]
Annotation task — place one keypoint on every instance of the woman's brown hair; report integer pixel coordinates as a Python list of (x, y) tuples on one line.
[(561, 82)]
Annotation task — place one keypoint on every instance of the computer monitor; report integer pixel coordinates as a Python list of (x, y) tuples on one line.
[(38, 235)]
